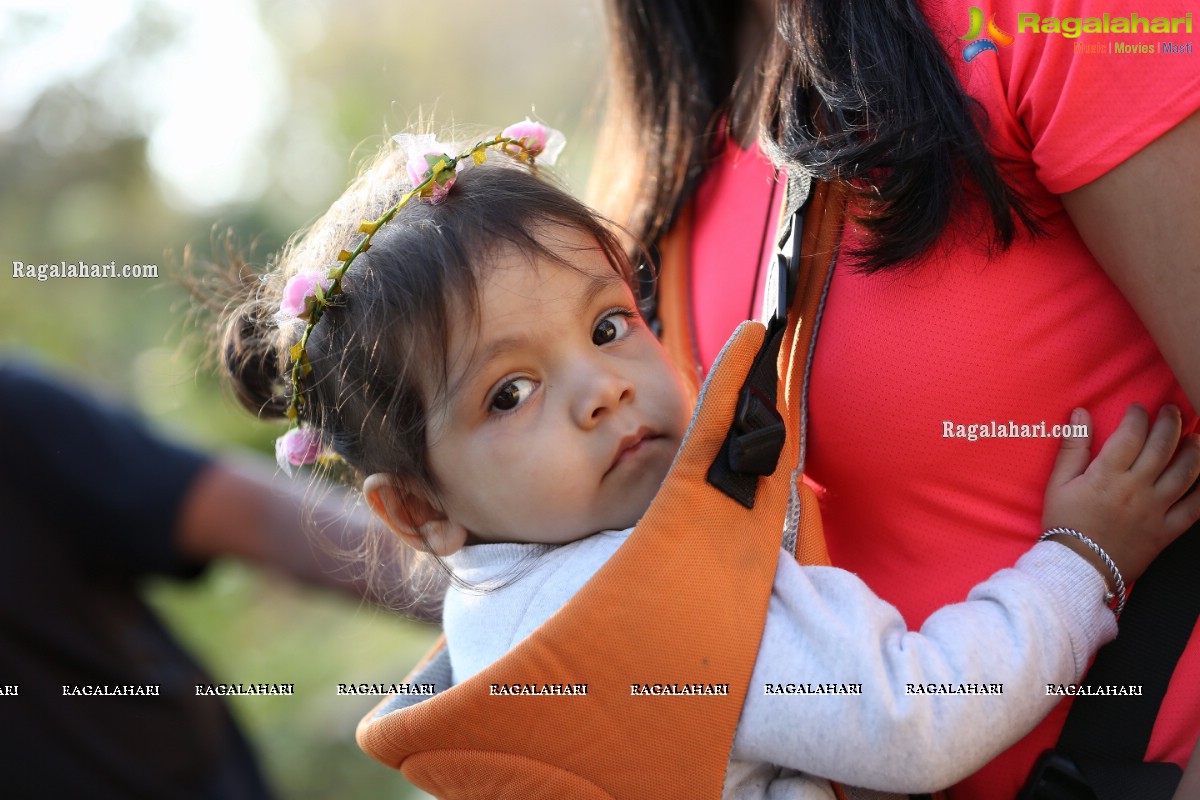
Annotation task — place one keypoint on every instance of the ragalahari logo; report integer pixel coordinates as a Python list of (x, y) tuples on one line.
[(980, 45)]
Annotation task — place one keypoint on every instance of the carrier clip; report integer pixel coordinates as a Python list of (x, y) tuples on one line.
[(758, 433)]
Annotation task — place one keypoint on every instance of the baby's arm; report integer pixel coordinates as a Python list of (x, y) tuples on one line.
[(1029, 626)]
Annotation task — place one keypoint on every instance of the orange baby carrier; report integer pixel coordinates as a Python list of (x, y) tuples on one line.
[(682, 601)]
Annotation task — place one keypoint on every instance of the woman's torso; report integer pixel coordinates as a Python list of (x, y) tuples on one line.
[(904, 359)]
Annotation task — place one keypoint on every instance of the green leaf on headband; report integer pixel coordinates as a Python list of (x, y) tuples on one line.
[(345, 255), (480, 155), (436, 165), (310, 306), (368, 227), (296, 351)]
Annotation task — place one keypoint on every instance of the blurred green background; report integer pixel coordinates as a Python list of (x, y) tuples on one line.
[(133, 129)]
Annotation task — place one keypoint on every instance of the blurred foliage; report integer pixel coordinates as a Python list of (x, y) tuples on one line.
[(250, 628), (83, 178)]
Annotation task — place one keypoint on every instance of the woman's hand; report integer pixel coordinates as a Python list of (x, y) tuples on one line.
[(1133, 498)]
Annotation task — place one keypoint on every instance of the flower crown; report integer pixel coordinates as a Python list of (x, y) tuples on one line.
[(308, 293)]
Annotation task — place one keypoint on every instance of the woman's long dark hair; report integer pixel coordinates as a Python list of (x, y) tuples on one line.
[(849, 90), (673, 65)]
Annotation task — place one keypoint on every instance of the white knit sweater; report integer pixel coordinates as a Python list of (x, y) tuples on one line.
[(911, 711)]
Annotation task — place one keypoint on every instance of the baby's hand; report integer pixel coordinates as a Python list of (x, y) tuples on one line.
[(1133, 499)]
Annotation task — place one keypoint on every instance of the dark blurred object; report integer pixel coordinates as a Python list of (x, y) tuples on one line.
[(90, 502)]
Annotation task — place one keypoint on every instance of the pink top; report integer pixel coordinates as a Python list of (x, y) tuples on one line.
[(733, 227), (964, 340)]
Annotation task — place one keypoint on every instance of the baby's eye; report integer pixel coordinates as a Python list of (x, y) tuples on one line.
[(612, 327), (512, 394)]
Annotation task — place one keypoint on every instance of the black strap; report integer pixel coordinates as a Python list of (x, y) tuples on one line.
[(755, 440), (1106, 736), (783, 276), (1155, 628)]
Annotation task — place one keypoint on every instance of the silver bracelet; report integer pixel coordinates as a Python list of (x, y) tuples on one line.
[(1118, 581)]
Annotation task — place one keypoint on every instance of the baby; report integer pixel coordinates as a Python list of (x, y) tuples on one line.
[(479, 360)]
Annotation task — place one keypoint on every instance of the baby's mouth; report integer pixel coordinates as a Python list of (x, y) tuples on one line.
[(631, 445)]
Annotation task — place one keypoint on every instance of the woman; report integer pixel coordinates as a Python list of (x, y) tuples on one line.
[(1030, 209)]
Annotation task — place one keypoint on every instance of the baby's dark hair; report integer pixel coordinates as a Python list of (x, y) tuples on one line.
[(380, 349)]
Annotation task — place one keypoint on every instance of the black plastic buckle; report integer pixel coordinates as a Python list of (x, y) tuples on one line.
[(759, 433), (1055, 777), (784, 269)]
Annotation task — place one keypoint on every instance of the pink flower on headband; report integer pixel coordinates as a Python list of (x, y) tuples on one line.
[(444, 180), (541, 141), (300, 288), (419, 167), (296, 447), (424, 152)]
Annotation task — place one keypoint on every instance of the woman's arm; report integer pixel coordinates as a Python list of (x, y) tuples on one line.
[(1141, 221), (241, 508), (1189, 785)]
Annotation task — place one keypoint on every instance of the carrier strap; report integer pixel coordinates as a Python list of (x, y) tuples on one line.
[(672, 300), (756, 436), (756, 440), (1106, 737), (622, 631)]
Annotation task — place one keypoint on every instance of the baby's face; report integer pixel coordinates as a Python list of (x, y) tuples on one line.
[(565, 413)]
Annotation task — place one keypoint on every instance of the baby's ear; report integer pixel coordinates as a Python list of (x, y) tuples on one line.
[(418, 522)]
